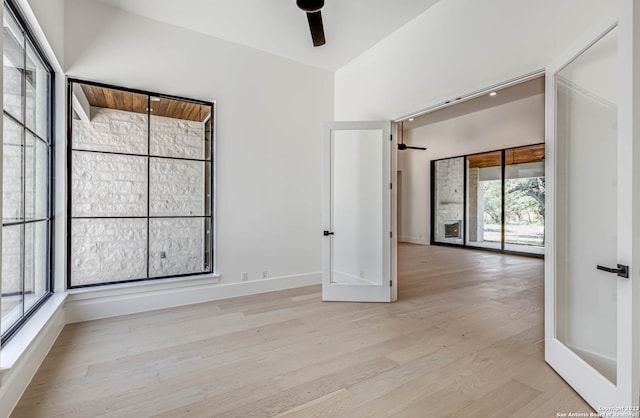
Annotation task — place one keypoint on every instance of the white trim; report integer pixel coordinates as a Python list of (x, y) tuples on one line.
[(24, 353), (468, 95), (88, 306), (414, 240), (142, 286)]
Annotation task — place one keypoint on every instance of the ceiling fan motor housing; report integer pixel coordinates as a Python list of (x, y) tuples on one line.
[(310, 6)]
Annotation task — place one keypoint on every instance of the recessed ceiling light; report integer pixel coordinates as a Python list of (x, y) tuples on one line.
[(155, 99), (410, 119), (493, 93)]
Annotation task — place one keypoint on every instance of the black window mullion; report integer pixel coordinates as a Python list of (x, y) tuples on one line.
[(207, 217), (148, 183)]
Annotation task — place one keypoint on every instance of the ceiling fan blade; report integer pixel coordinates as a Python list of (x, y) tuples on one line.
[(316, 28)]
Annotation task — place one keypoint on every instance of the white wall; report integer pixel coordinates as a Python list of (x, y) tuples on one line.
[(269, 121), (456, 47), (512, 124), (50, 16)]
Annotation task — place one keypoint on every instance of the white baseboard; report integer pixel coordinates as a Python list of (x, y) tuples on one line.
[(413, 240), (25, 352), (88, 305)]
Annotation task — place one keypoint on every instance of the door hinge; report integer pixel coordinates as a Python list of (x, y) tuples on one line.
[(390, 283), (390, 137), (391, 186), (391, 234)]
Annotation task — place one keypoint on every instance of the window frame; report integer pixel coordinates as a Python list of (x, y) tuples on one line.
[(464, 244), (208, 159), (31, 40)]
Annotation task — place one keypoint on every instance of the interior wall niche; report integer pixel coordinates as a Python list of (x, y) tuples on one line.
[(140, 185)]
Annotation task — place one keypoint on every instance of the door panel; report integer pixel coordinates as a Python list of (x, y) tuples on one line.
[(357, 212), (587, 136), (591, 335)]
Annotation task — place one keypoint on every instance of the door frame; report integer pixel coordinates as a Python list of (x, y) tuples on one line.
[(629, 14)]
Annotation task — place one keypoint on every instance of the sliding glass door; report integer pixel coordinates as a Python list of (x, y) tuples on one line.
[(492, 200), (484, 203), (524, 199)]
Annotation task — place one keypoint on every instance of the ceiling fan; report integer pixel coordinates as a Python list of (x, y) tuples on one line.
[(314, 16), (402, 146)]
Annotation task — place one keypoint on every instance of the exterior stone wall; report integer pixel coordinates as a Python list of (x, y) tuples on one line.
[(449, 199), (112, 250), (473, 180)]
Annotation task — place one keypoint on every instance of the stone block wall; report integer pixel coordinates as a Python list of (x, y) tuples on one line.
[(112, 250), (473, 180), (449, 196)]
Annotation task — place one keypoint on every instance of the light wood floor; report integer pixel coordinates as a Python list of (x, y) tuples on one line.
[(465, 339)]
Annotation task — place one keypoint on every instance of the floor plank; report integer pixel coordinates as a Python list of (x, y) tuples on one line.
[(465, 339)]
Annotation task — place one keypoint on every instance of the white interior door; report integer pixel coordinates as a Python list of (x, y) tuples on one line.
[(591, 319), (357, 212)]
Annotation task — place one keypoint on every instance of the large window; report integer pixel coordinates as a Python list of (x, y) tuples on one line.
[(492, 200), (26, 173), (140, 191)]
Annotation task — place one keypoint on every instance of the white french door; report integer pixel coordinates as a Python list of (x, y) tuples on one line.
[(591, 264), (357, 263)]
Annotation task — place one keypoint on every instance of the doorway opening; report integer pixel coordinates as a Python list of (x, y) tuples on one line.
[(480, 182)]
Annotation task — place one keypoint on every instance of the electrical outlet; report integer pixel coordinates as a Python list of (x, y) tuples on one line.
[(265, 274), (245, 276), (163, 254)]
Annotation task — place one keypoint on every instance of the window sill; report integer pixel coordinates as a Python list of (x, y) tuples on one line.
[(142, 286), (25, 337)]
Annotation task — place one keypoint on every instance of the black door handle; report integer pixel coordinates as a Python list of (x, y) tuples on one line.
[(327, 233), (622, 270)]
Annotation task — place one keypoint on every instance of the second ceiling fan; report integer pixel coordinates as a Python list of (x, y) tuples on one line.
[(314, 16)]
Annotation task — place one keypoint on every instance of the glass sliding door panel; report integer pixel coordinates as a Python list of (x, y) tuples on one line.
[(448, 181), (484, 200), (524, 194), (587, 231)]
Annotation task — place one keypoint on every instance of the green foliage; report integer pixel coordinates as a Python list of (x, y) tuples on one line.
[(524, 201)]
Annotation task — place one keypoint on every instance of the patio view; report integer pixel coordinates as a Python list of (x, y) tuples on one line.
[(469, 193)]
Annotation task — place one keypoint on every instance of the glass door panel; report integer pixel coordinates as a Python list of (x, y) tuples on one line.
[(357, 198), (587, 161), (448, 201), (484, 200), (357, 207), (524, 195)]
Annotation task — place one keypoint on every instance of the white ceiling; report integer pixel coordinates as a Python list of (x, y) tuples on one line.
[(279, 27)]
